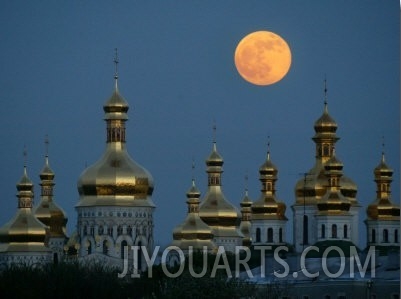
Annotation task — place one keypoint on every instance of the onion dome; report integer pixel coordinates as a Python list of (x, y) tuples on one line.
[(313, 186), (245, 225), (325, 123), (383, 208), (333, 202), (116, 179), (23, 233), (215, 210), (267, 206), (47, 211), (193, 231)]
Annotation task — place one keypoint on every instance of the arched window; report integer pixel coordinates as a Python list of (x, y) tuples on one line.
[(123, 247), (89, 247), (119, 230), (105, 248), (345, 231), (396, 236), (305, 232), (100, 230), (373, 236), (323, 231), (270, 235), (258, 234), (385, 235), (129, 230), (55, 258), (280, 235), (334, 231)]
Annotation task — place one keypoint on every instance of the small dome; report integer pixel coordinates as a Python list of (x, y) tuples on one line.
[(383, 170), (325, 123), (46, 173), (116, 107), (268, 168), (214, 158)]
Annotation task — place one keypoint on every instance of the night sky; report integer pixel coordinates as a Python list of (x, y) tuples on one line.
[(177, 73)]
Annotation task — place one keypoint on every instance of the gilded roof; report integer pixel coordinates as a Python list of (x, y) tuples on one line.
[(268, 207), (116, 179), (24, 232), (193, 231), (47, 211)]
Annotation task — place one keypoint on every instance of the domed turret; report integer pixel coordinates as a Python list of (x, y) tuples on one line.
[(333, 202), (312, 187), (193, 231), (245, 226), (267, 206), (116, 179), (47, 211), (215, 210), (383, 208), (24, 233)]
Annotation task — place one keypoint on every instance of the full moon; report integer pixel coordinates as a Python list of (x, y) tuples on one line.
[(262, 58)]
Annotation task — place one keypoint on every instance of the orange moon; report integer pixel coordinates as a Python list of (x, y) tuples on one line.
[(262, 58)]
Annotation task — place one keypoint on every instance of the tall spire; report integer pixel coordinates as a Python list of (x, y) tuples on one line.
[(383, 159), (25, 187), (325, 92), (268, 147), (116, 67)]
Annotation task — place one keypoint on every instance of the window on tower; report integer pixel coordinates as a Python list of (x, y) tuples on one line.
[(258, 234), (270, 235), (334, 231)]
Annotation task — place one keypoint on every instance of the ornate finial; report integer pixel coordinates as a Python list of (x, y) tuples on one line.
[(116, 65), (246, 183), (325, 91), (47, 145), (268, 147), (214, 131), (193, 171), (25, 154), (383, 149)]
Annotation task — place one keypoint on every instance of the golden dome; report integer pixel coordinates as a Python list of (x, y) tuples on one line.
[(383, 208), (215, 209), (313, 186), (333, 202), (245, 225), (23, 232), (193, 231), (115, 179), (267, 206), (325, 123), (47, 211)]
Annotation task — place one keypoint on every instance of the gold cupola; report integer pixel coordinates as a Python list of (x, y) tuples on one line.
[(116, 179), (193, 231), (47, 211), (333, 202), (245, 225), (215, 210), (24, 232), (267, 207), (383, 208), (313, 185)]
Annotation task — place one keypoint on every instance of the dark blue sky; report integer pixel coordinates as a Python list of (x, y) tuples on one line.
[(177, 73)]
